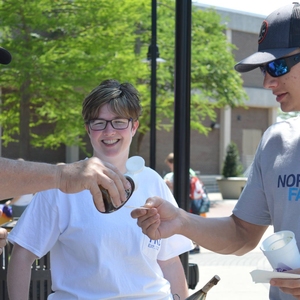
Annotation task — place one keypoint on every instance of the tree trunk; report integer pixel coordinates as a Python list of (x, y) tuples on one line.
[(139, 141), (24, 141), (136, 144)]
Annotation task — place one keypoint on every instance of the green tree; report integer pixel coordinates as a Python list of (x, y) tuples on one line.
[(232, 165), (214, 81), (62, 49)]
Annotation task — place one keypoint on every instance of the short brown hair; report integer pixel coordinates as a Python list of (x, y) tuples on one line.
[(122, 98)]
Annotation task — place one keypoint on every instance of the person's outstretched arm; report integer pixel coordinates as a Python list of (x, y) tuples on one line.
[(228, 235), (23, 177)]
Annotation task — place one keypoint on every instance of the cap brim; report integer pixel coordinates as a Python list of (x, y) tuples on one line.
[(259, 58), (5, 56)]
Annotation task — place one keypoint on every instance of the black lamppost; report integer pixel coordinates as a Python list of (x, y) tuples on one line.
[(153, 87), (182, 108), (181, 105), (153, 57), (157, 59)]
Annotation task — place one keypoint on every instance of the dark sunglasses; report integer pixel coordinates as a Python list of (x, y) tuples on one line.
[(280, 66)]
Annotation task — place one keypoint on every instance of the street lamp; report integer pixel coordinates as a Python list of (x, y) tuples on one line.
[(149, 55), (153, 57), (153, 48)]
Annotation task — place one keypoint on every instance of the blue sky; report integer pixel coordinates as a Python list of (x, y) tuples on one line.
[(261, 7)]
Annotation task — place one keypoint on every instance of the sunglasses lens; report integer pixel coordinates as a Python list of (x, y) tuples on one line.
[(277, 68)]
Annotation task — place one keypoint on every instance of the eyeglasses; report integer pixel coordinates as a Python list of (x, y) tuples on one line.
[(280, 66), (100, 124)]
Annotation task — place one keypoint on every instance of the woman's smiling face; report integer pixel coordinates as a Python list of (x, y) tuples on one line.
[(112, 145)]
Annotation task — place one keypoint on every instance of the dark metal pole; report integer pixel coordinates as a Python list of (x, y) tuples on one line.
[(182, 108), (153, 89)]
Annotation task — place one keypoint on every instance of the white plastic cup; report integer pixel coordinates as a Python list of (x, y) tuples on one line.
[(134, 165), (281, 251)]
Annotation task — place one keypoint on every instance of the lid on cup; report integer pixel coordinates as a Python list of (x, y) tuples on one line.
[(135, 164), (277, 240)]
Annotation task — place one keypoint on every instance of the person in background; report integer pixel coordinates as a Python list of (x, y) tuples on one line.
[(19, 204), (22, 177), (169, 179), (94, 255), (271, 195)]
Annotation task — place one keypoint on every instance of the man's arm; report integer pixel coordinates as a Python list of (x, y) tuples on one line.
[(22, 177), (228, 235), (174, 273), (19, 273)]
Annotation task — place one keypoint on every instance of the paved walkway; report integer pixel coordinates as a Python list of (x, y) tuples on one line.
[(236, 282)]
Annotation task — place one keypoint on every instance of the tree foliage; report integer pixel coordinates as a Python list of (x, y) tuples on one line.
[(62, 49), (232, 165)]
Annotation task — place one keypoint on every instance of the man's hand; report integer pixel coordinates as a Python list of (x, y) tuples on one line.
[(289, 286), (160, 220), (89, 174)]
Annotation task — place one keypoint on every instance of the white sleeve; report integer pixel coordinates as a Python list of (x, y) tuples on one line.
[(37, 230)]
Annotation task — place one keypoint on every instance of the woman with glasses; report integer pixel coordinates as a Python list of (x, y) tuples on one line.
[(272, 193), (19, 178), (98, 255)]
